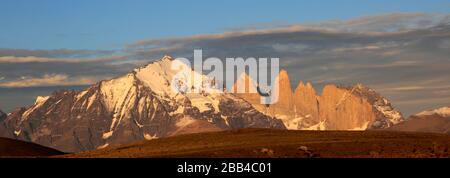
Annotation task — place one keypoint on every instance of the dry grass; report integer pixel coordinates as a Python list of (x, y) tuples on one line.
[(265, 143)]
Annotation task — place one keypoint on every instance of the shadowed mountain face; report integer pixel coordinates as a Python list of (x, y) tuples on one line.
[(2, 115), (2, 125), (337, 108), (436, 121), (138, 106)]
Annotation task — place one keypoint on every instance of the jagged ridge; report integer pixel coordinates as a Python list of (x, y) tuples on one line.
[(337, 108), (137, 106)]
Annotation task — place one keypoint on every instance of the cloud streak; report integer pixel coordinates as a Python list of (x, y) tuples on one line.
[(56, 53), (33, 59), (49, 80)]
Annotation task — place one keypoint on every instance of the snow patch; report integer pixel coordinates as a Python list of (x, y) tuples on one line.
[(150, 137), (444, 112), (17, 133), (103, 146), (386, 109), (320, 126), (107, 135), (91, 100), (225, 118), (363, 127), (180, 110), (290, 123), (138, 124), (80, 95), (185, 121), (41, 99)]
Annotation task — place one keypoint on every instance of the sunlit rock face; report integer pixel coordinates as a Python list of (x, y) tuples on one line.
[(337, 108)]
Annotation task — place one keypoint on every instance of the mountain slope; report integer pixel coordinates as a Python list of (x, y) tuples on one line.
[(268, 143), (337, 108), (436, 121), (137, 106), (16, 148)]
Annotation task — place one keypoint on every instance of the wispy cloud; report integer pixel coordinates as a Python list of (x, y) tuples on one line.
[(18, 72), (49, 80), (31, 59), (54, 53)]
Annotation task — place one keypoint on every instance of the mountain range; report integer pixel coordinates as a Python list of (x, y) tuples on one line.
[(337, 108), (141, 105), (137, 106)]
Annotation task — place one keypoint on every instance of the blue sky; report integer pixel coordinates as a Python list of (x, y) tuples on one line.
[(110, 24)]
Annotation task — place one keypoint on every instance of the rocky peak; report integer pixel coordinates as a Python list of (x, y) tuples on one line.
[(305, 89), (285, 95), (337, 108), (343, 110), (306, 104), (387, 115), (244, 84), (137, 106), (167, 57)]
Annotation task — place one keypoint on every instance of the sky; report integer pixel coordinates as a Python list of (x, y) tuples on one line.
[(400, 48), (109, 24)]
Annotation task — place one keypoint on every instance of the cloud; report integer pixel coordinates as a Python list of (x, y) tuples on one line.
[(370, 47), (31, 59), (28, 71), (394, 22), (49, 80), (54, 53), (370, 25), (290, 47)]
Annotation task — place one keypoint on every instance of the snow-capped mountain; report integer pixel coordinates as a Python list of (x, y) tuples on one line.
[(337, 108), (386, 115), (139, 105), (435, 120), (444, 112)]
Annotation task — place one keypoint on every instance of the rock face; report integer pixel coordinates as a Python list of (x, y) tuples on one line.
[(285, 96), (2, 115), (306, 105), (436, 121), (140, 105), (337, 108), (2, 125), (341, 110)]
